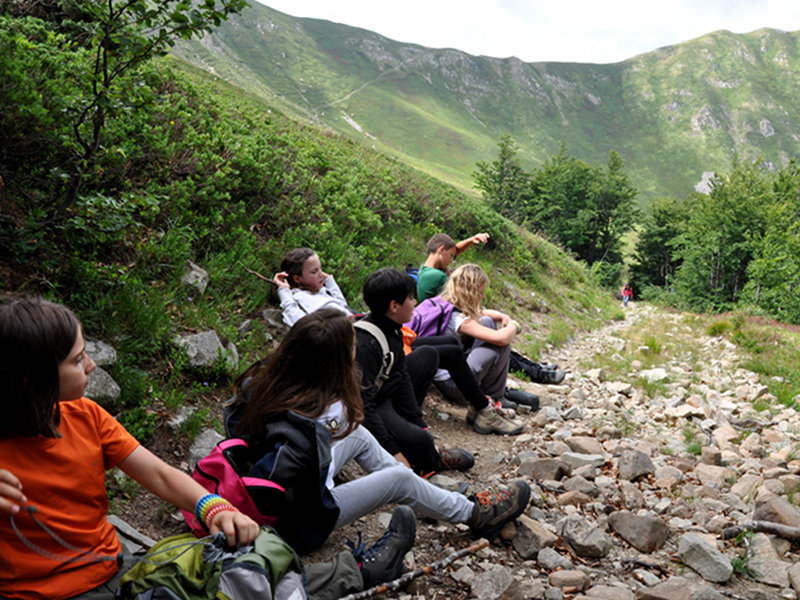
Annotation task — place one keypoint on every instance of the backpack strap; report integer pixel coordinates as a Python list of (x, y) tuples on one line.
[(388, 355)]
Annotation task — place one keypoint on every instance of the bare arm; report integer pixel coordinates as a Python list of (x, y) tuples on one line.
[(176, 487), (11, 495), (500, 337), (478, 238)]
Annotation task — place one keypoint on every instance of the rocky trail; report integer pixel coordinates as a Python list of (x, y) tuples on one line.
[(639, 461)]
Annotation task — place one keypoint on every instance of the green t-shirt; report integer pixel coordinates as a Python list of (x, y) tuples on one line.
[(430, 282)]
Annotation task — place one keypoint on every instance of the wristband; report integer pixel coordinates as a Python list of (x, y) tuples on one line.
[(206, 503), (216, 510)]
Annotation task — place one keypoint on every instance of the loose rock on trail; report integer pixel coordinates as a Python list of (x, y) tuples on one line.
[(638, 462)]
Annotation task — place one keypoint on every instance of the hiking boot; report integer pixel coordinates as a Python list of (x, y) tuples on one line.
[(491, 421), (383, 561), (523, 397), (507, 405), (506, 413), (548, 376), (456, 459), (493, 510)]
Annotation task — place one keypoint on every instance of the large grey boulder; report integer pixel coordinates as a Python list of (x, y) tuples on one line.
[(102, 388), (496, 584), (647, 533), (101, 353), (202, 446), (634, 464), (702, 557), (585, 538), (205, 348)]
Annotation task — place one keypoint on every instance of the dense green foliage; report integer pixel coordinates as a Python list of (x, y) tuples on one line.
[(736, 246), (584, 208), (190, 169)]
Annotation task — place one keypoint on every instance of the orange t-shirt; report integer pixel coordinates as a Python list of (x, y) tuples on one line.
[(64, 479)]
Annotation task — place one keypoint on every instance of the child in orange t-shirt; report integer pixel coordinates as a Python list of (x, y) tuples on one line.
[(55, 446)]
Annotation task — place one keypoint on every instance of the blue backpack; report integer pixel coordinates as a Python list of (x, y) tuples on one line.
[(431, 317), (412, 271)]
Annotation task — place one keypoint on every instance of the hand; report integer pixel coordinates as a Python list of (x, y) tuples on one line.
[(239, 529), (11, 495), (480, 238), (281, 279), (402, 459)]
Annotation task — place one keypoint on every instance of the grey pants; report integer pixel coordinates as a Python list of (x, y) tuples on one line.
[(388, 481), (489, 363)]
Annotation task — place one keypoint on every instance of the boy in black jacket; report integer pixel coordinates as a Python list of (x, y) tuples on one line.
[(392, 411)]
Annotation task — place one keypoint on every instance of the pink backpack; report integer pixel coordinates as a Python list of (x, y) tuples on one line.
[(222, 473), (431, 317)]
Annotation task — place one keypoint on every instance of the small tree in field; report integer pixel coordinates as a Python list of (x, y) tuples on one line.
[(103, 42)]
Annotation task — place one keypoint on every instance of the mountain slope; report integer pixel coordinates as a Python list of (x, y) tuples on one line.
[(672, 113)]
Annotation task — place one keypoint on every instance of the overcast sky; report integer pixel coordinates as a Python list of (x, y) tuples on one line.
[(550, 30)]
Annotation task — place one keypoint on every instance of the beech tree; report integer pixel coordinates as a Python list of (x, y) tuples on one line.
[(101, 43), (721, 237)]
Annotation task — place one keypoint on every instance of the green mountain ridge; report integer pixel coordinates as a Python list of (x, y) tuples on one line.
[(672, 113)]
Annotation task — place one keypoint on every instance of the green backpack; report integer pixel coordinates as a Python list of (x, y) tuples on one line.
[(183, 567)]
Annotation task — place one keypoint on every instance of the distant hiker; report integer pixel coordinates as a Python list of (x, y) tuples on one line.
[(627, 294), (304, 287), (442, 251), (55, 447), (304, 399)]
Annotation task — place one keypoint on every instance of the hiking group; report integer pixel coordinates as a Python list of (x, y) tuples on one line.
[(339, 386)]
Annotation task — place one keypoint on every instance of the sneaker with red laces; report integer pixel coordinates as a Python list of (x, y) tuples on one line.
[(456, 459), (492, 510), (490, 420), (506, 413)]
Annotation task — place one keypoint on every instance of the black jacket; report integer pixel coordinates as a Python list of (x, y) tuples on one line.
[(397, 389), (295, 452)]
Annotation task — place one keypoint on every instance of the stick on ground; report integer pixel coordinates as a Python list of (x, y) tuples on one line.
[(403, 580)]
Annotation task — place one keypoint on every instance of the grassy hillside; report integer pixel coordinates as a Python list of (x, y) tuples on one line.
[(672, 113), (193, 169)]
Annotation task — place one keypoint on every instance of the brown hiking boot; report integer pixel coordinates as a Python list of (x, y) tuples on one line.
[(492, 510), (491, 420)]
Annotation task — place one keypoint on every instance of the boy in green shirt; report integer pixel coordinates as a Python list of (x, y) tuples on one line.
[(442, 250)]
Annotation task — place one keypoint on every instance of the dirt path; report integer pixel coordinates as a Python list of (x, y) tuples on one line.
[(652, 391)]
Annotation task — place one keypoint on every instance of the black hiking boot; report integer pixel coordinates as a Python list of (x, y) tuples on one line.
[(456, 459), (523, 397), (551, 376), (492, 510), (383, 561)]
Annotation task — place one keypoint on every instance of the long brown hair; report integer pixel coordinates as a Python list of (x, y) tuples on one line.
[(465, 289), (312, 368), (35, 336)]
